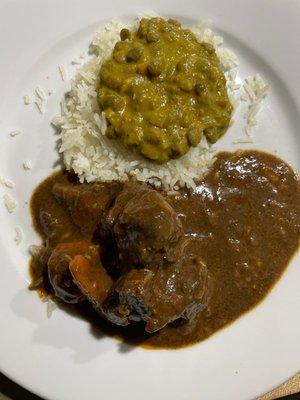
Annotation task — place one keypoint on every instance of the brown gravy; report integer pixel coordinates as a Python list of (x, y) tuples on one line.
[(244, 217)]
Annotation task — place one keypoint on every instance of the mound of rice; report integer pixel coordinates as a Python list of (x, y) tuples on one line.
[(92, 156)]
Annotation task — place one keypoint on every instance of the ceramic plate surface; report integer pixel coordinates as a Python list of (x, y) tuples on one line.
[(60, 358)]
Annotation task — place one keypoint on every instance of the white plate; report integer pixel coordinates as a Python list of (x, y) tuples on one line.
[(60, 358)]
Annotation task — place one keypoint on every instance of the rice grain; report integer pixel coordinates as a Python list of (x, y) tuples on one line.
[(63, 73), (10, 203), (18, 235)]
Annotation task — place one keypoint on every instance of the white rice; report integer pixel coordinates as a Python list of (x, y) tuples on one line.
[(6, 182), (246, 139), (10, 203), (40, 93), (26, 100), (63, 73), (256, 90), (27, 165), (50, 306), (18, 235), (93, 156), (40, 105)]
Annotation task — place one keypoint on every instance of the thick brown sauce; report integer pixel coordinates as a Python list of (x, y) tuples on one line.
[(244, 217)]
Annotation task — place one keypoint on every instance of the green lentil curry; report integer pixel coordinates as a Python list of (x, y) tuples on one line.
[(161, 90)]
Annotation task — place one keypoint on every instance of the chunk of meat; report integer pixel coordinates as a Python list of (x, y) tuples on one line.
[(126, 301), (158, 280), (130, 190), (86, 202), (91, 278), (143, 224), (58, 268), (161, 296)]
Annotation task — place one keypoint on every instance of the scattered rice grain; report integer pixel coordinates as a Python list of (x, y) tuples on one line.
[(63, 73), (256, 90), (40, 93), (6, 182), (26, 100), (51, 306), (10, 203), (40, 105), (18, 235), (27, 165), (242, 140)]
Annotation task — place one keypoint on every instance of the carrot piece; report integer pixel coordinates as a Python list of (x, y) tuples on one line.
[(91, 279)]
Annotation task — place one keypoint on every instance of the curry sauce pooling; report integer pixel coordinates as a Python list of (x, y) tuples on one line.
[(161, 90), (236, 232)]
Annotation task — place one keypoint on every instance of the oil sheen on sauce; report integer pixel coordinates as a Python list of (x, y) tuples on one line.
[(244, 218)]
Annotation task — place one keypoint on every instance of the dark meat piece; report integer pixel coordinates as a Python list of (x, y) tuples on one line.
[(158, 280), (58, 268), (86, 202), (143, 224), (91, 278), (177, 291), (126, 301)]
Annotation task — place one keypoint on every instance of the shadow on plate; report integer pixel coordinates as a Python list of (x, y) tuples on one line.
[(48, 330)]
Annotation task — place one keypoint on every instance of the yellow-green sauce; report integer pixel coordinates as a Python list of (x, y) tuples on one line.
[(161, 90)]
